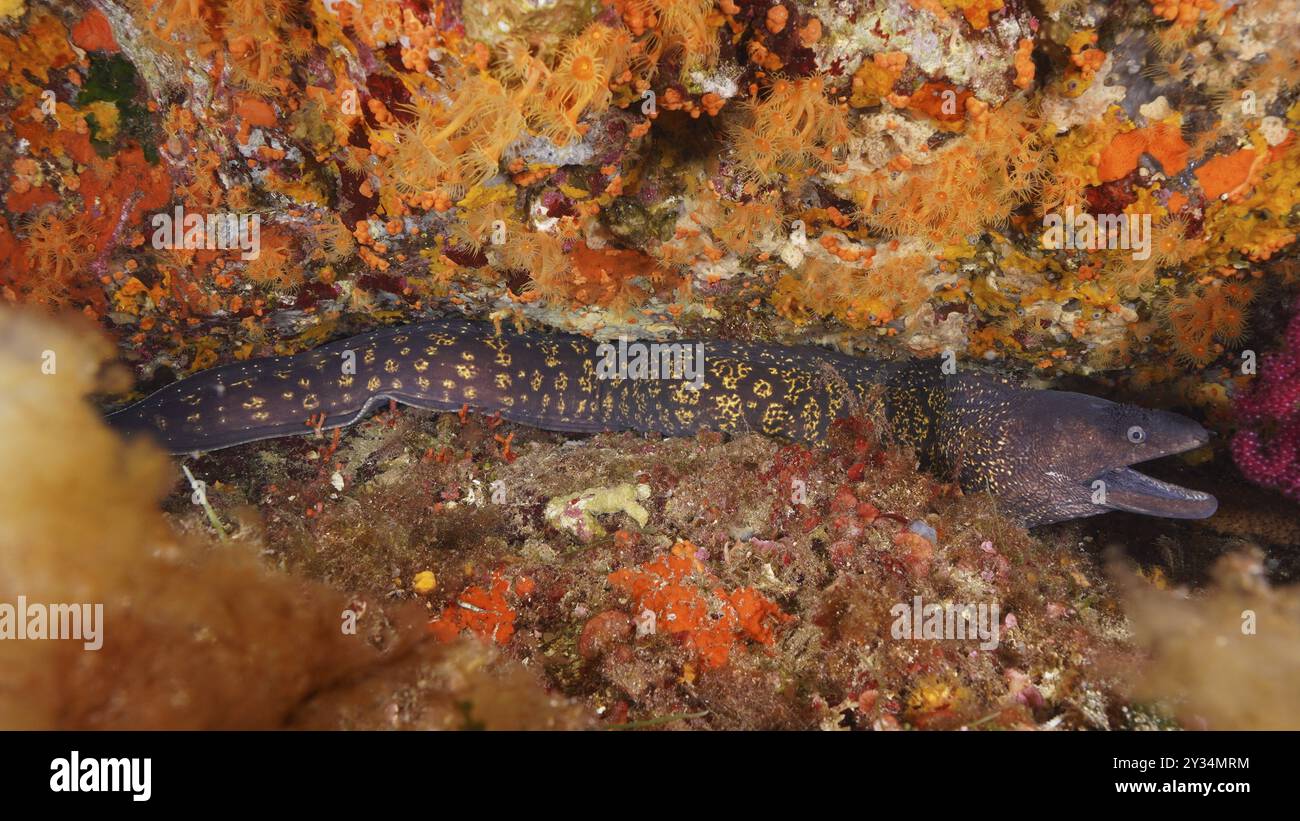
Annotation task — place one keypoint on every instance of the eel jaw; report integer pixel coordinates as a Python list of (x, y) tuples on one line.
[(1126, 489)]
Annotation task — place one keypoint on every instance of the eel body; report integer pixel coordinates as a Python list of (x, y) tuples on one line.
[(1045, 455)]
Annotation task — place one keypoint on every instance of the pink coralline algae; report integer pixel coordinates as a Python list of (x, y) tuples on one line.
[(1267, 444)]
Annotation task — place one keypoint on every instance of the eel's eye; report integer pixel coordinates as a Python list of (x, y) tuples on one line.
[(1136, 435)]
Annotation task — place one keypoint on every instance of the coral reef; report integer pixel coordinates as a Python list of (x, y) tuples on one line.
[(698, 606), (883, 168), (1076, 193)]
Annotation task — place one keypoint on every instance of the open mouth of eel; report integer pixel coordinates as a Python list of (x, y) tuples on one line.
[(1135, 492)]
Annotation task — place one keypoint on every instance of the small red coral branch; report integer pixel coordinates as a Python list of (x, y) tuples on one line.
[(482, 611), (1266, 447), (710, 624)]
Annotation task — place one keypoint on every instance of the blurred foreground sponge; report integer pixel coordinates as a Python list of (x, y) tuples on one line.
[(1227, 657), (196, 633)]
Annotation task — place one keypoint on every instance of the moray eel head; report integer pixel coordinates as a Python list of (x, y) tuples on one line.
[(1081, 456)]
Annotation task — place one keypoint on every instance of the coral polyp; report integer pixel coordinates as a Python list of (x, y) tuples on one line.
[(57, 251)]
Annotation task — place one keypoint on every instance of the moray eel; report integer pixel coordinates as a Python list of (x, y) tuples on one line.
[(1045, 455)]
